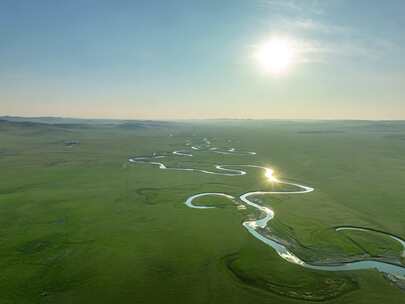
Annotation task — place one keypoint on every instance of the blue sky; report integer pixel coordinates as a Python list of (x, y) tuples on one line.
[(193, 59)]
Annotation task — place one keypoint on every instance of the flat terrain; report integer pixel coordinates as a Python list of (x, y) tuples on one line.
[(80, 224)]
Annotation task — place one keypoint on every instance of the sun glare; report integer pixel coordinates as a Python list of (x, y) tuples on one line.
[(270, 175), (275, 55)]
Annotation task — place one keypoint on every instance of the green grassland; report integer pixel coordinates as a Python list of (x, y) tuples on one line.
[(79, 224)]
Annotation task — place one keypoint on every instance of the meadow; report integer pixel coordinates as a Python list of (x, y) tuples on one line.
[(80, 224)]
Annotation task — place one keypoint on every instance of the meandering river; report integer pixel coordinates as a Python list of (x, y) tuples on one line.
[(394, 271)]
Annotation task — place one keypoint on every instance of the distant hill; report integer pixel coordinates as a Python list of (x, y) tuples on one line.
[(70, 123), (59, 120)]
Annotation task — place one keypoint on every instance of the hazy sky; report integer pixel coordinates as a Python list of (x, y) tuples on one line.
[(194, 59)]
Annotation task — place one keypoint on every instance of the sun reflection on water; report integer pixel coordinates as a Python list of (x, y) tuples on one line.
[(270, 175)]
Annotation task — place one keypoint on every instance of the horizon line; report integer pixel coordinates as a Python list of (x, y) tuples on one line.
[(201, 119)]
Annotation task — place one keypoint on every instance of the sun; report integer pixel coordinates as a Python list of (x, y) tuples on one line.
[(275, 56)]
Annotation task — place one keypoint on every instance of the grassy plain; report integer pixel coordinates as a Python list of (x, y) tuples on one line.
[(79, 224)]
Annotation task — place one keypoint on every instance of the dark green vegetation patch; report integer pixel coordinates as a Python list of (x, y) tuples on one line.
[(314, 287)]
